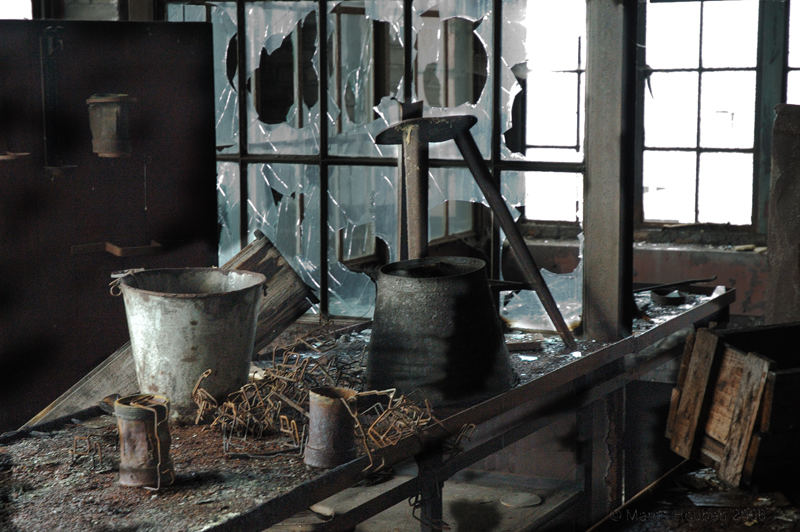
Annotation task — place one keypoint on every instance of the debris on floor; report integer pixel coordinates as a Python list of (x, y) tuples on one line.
[(694, 498)]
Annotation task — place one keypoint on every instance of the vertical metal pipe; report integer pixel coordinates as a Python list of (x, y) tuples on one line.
[(322, 39), (241, 82), (408, 35), (415, 159), (471, 153), (497, 87)]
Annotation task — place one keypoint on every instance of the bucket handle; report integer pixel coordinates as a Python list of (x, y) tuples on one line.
[(114, 288)]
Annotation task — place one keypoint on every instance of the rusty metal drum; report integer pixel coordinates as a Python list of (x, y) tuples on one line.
[(436, 332)]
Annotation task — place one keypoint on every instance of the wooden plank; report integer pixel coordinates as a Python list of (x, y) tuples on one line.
[(723, 391), (745, 410), (690, 404), (765, 412), (750, 459), (286, 299), (676, 392), (687, 355)]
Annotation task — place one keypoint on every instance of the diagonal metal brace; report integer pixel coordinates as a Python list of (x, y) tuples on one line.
[(456, 127)]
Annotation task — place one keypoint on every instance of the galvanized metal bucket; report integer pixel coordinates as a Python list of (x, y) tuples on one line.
[(144, 441), (331, 440), (436, 331), (187, 320)]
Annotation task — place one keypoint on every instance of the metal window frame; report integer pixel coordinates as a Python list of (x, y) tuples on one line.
[(324, 161), (770, 70)]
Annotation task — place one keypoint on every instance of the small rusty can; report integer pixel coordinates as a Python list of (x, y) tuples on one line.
[(331, 439), (144, 441)]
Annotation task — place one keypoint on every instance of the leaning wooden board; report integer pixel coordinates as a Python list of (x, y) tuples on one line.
[(734, 404), (286, 298)]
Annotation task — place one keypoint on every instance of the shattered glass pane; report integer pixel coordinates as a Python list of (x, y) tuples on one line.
[(283, 203), (453, 54), (543, 89), (363, 90), (185, 13), (553, 196), (223, 20), (228, 209), (452, 184), (282, 49), (362, 230), (524, 310), (451, 195)]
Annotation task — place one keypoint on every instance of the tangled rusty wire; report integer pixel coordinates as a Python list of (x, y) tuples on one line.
[(276, 398), (387, 420)]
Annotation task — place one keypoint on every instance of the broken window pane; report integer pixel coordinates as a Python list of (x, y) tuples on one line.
[(283, 76), (362, 231), (553, 196), (730, 33), (542, 111), (452, 184), (552, 110), (727, 109), (283, 202), (524, 309), (223, 19), (365, 71), (186, 13), (725, 188), (668, 187), (452, 58), (670, 113), (228, 209), (673, 35)]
